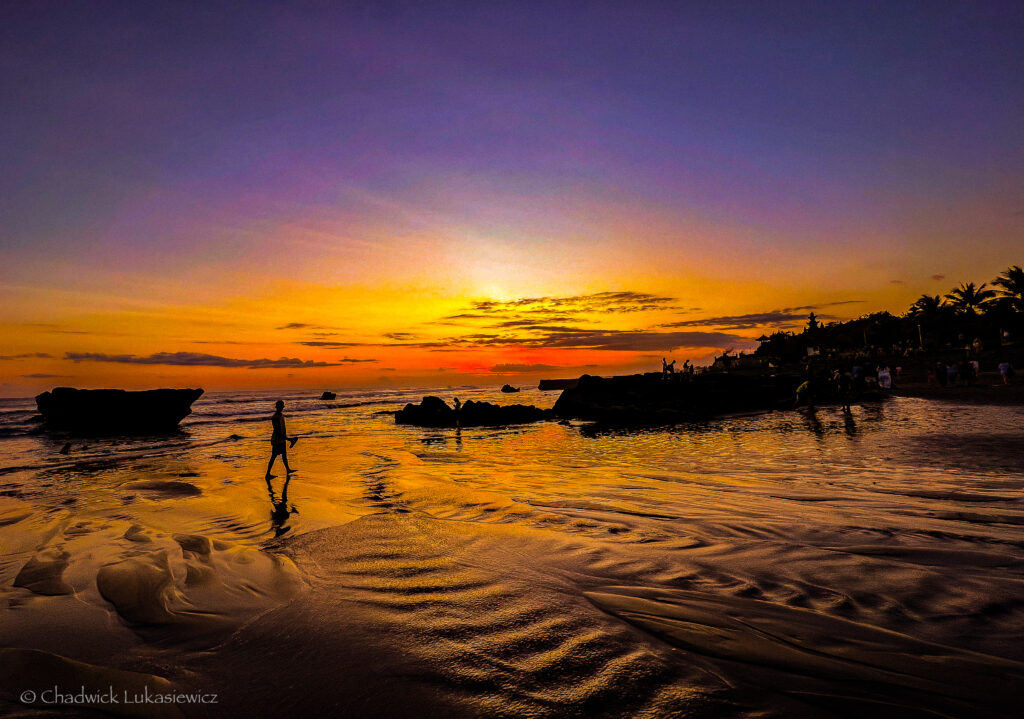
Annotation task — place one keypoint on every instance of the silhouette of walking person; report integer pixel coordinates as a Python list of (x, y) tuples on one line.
[(279, 439)]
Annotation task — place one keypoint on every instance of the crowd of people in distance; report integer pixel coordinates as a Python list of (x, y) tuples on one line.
[(949, 374), (844, 385), (668, 369)]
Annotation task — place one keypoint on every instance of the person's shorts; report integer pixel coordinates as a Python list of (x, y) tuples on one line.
[(278, 447)]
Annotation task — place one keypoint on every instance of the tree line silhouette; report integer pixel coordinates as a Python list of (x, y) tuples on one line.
[(986, 317)]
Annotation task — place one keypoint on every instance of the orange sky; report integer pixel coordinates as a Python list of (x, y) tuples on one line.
[(423, 315)]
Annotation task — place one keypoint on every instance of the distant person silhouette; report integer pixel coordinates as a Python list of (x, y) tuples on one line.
[(844, 387), (1005, 371), (279, 439)]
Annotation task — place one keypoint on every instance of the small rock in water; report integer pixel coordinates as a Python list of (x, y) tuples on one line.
[(66, 449)]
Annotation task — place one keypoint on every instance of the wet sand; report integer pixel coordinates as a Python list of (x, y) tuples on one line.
[(793, 564), (987, 389)]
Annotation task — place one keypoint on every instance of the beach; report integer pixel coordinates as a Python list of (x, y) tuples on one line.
[(804, 563)]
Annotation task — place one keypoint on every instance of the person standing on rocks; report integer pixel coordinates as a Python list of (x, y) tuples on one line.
[(279, 439)]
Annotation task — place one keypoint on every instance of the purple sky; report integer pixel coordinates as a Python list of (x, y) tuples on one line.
[(748, 110)]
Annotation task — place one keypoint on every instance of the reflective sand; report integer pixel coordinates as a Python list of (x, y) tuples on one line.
[(775, 565)]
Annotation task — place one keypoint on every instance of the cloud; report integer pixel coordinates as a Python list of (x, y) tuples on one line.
[(637, 340), (467, 316), (58, 329), (338, 345), (820, 305), (224, 342), (614, 340), (195, 359), (43, 375), (742, 322), (554, 322), (516, 368), (897, 282), (532, 322), (563, 337), (344, 345), (305, 326), (349, 360), (784, 316), (27, 355), (937, 278), (610, 302)]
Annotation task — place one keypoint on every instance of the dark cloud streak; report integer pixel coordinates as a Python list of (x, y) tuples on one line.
[(784, 316), (195, 359), (27, 355)]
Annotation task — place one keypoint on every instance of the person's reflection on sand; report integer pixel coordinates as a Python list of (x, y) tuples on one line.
[(812, 421), (849, 425), (280, 511)]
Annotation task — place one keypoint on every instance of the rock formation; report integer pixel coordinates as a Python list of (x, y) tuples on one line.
[(435, 412), (105, 411)]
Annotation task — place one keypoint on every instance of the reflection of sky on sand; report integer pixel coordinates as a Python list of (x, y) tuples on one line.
[(545, 567)]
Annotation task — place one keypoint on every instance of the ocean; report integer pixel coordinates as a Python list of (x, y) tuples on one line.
[(804, 563)]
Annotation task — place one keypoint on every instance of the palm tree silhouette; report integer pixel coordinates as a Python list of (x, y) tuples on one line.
[(1011, 287), (969, 299), (926, 306)]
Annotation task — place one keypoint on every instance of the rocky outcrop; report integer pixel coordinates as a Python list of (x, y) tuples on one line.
[(328, 395), (435, 412), (106, 411), (650, 399), (546, 385), (507, 388)]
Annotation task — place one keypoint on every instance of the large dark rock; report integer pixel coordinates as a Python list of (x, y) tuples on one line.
[(553, 384), (431, 412), (328, 395), (435, 412), (105, 411), (652, 399), (507, 388)]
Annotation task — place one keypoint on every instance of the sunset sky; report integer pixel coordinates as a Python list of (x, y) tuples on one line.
[(330, 194)]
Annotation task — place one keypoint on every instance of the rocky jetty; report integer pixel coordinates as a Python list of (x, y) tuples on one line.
[(328, 395), (106, 411), (435, 412), (547, 385), (652, 399)]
